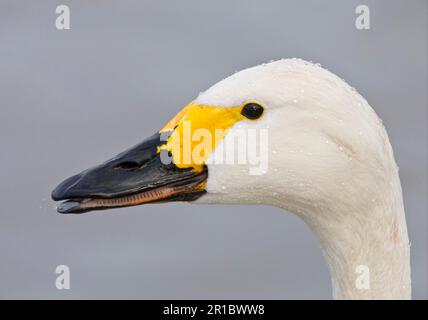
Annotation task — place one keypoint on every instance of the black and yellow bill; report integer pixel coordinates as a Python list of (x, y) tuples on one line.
[(142, 175)]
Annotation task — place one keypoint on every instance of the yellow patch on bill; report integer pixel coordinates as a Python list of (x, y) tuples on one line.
[(196, 132)]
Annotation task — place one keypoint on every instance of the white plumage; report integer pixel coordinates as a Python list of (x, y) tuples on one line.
[(327, 158), (331, 163)]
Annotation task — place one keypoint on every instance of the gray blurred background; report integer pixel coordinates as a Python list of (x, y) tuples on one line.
[(70, 99)]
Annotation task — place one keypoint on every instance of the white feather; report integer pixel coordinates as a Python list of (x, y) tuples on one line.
[(330, 162)]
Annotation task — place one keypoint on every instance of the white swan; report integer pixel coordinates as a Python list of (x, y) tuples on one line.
[(329, 161)]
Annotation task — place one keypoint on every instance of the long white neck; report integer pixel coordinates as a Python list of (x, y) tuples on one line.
[(331, 163), (367, 251)]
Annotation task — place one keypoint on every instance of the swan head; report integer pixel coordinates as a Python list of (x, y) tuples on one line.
[(287, 133)]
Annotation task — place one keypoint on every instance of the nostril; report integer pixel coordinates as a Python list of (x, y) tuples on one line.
[(127, 165)]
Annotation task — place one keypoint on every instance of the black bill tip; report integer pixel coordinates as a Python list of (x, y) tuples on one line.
[(133, 177), (69, 206)]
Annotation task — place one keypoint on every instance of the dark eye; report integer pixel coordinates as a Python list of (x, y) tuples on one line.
[(252, 110)]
